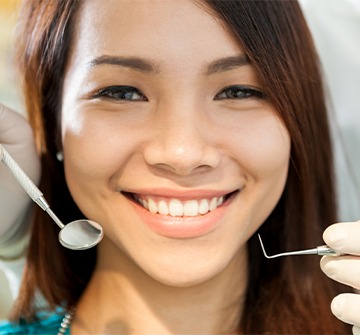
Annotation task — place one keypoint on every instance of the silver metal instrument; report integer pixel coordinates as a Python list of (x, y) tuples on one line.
[(322, 250), (76, 235)]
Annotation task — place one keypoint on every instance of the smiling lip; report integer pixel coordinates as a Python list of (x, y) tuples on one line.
[(177, 224)]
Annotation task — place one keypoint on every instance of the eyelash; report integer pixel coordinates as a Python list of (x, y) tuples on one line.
[(120, 93), (239, 92), (126, 93)]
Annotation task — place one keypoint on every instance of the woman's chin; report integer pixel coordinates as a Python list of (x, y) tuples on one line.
[(194, 270)]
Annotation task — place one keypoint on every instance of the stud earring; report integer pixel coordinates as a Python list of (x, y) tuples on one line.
[(60, 156)]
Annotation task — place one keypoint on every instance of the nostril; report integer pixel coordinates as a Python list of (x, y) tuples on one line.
[(182, 162)]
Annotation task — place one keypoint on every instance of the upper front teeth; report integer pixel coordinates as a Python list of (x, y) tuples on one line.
[(175, 207)]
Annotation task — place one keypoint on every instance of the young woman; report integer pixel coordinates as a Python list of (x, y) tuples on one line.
[(186, 127)]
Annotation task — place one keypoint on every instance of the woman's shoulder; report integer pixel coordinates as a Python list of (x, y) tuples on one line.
[(46, 324)]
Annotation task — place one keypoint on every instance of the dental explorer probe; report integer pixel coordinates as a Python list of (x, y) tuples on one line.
[(322, 250)]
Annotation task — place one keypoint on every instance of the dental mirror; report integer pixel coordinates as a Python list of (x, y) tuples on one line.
[(76, 235), (322, 250)]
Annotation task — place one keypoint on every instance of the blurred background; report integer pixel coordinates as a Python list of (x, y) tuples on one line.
[(9, 96), (335, 25), (8, 93)]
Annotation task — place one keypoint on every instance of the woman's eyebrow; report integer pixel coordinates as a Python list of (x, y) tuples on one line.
[(150, 67), (226, 63), (134, 63)]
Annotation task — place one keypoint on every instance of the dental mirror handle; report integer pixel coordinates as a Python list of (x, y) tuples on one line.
[(27, 184)]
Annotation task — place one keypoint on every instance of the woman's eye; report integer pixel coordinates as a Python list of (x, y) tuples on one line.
[(239, 92), (127, 93)]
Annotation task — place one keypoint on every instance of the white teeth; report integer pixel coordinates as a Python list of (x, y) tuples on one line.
[(175, 207), (152, 206), (191, 208), (203, 206), (163, 208), (213, 204)]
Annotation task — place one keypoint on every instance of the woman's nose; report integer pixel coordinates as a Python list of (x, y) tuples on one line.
[(182, 143)]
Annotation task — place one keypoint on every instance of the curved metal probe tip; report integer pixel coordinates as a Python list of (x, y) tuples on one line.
[(321, 251)]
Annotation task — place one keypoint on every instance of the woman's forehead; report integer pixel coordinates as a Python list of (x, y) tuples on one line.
[(157, 29)]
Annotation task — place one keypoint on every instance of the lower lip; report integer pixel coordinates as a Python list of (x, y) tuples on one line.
[(180, 226)]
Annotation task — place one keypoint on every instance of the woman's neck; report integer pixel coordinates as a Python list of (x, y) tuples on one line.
[(125, 300)]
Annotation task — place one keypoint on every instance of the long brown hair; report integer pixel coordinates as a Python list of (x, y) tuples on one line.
[(284, 296)]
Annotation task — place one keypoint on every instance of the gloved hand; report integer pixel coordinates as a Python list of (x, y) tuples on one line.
[(345, 238), (17, 137)]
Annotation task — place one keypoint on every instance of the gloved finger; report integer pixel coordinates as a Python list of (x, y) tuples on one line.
[(17, 137), (346, 307), (356, 330), (344, 237), (344, 269), (13, 126)]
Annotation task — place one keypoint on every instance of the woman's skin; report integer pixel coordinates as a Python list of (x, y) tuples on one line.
[(178, 135)]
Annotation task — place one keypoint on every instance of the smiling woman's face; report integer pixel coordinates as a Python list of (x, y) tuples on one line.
[(168, 141)]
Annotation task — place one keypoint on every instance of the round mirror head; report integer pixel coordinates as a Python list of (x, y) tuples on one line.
[(81, 235)]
